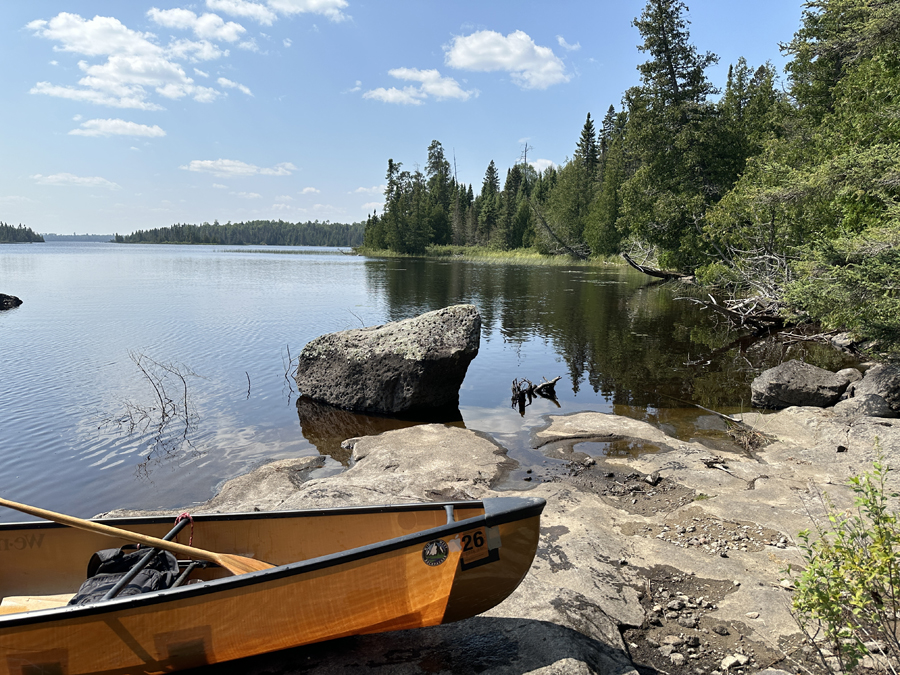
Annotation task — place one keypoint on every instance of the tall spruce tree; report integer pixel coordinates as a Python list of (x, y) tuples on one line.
[(587, 151), (488, 204)]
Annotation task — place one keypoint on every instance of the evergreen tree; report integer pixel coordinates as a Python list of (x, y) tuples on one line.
[(587, 151), (672, 135), (488, 204), (440, 193)]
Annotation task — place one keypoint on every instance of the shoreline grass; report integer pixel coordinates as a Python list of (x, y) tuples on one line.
[(483, 254)]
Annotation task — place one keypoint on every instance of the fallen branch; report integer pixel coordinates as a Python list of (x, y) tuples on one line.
[(758, 312), (659, 274), (524, 391)]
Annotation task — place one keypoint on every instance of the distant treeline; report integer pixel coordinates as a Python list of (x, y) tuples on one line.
[(78, 237), (20, 234), (256, 232)]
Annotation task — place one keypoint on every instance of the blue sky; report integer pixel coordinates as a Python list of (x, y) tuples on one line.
[(122, 116)]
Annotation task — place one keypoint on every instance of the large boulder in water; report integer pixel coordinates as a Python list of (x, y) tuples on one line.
[(408, 367), (797, 383)]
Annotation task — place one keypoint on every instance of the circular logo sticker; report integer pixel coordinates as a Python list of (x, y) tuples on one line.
[(435, 552)]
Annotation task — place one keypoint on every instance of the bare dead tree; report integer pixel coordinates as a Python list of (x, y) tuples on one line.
[(170, 417)]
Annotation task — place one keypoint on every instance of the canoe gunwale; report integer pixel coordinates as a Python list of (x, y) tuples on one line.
[(498, 511), (122, 522)]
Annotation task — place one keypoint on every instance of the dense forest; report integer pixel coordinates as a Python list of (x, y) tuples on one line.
[(786, 193), (20, 234), (258, 232)]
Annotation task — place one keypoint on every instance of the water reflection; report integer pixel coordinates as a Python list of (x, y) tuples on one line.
[(625, 447), (326, 426), (636, 342)]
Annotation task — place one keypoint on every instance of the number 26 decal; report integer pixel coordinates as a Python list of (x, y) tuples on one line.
[(473, 540)]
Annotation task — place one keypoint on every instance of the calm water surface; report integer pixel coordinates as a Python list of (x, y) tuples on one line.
[(229, 321)]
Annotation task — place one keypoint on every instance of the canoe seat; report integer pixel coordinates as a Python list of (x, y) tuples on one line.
[(28, 603)]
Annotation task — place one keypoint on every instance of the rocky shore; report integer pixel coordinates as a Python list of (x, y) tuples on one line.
[(667, 562)]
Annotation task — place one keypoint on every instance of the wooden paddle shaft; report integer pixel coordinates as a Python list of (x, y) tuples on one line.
[(234, 563)]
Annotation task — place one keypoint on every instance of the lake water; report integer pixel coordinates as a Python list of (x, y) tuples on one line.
[(228, 322)]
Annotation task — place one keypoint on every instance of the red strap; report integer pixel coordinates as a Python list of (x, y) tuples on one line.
[(187, 516)]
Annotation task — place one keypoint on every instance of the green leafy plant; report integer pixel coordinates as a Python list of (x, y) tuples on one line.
[(847, 596)]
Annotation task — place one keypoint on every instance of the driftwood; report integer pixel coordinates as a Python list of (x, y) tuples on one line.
[(758, 312), (659, 274), (524, 391)]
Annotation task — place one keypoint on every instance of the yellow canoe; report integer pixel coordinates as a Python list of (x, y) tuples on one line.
[(338, 572)]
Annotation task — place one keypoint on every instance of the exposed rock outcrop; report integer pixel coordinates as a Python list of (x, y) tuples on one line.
[(796, 383), (406, 367), (673, 560)]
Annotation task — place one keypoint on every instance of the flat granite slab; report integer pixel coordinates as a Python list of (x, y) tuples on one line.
[(673, 560)]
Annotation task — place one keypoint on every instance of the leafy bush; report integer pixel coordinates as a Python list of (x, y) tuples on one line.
[(853, 283), (848, 595)]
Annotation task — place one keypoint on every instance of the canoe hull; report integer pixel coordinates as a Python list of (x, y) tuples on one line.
[(423, 577)]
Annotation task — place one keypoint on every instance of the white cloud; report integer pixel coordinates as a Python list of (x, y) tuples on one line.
[(9, 199), (116, 127), (405, 96), (356, 87), (309, 191), (251, 10), (266, 13), (200, 73), (195, 50), (530, 66), (205, 26), (281, 206), (541, 164), (328, 8), (370, 206), (219, 186), (431, 85), (228, 84), (72, 179), (565, 45), (134, 67), (246, 195), (287, 42), (284, 198), (233, 167), (92, 96), (100, 36), (374, 190)]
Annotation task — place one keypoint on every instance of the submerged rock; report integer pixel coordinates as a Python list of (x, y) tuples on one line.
[(797, 384), (407, 367), (9, 301)]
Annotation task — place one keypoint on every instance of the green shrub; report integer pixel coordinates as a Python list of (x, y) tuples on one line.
[(847, 596)]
